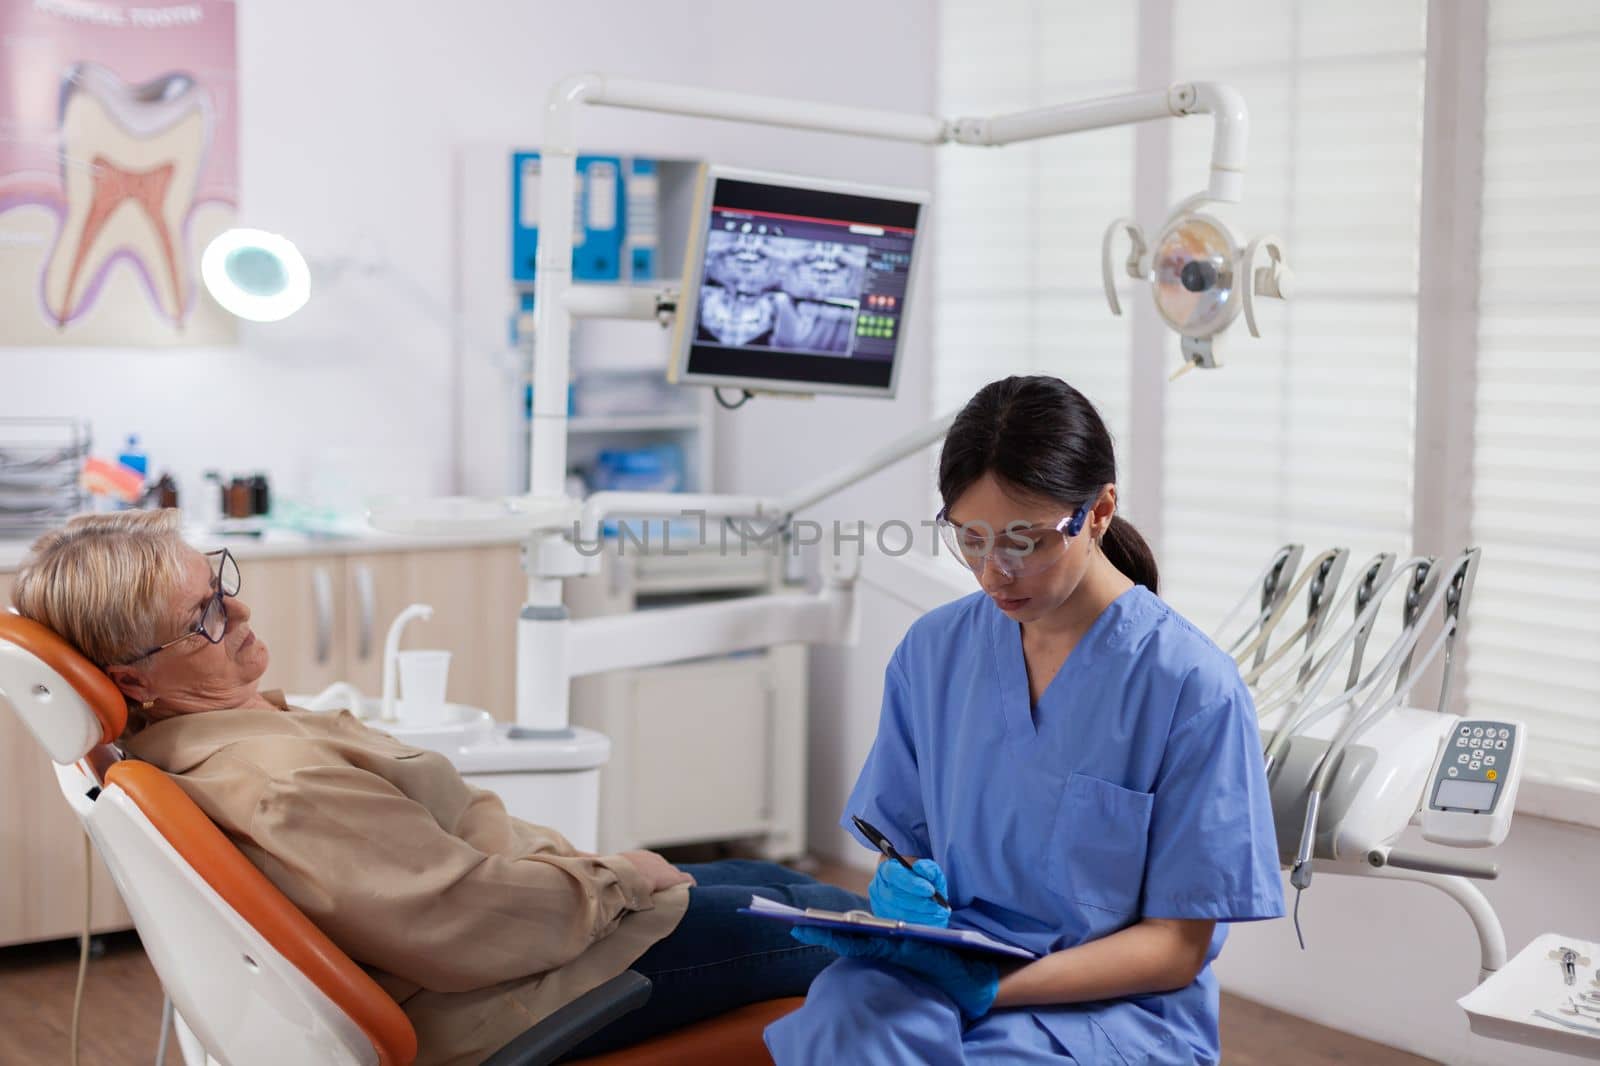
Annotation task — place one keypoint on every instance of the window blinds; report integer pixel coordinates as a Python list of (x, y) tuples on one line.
[(1306, 434), (1534, 650), (1018, 228)]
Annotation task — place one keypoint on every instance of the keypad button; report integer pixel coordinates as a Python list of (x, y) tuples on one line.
[(1462, 758), (1500, 745), (1474, 765), (1477, 731), (1477, 743), (1505, 734), (1488, 760), (1453, 772), (1466, 731)]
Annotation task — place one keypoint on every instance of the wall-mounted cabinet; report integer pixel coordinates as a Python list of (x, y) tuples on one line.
[(631, 229)]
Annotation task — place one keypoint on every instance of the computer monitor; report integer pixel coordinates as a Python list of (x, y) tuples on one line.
[(796, 284)]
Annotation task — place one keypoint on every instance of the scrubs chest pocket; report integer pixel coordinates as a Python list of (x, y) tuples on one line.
[(1099, 845)]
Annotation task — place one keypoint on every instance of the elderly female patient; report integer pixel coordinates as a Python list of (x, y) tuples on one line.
[(477, 923)]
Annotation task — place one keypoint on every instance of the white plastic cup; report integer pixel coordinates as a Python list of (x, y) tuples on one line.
[(423, 679)]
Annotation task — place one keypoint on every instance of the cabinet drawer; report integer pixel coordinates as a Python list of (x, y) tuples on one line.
[(699, 737)]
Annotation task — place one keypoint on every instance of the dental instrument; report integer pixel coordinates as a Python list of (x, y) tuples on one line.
[(1317, 570), (1547, 1016), (1569, 961), (1267, 580), (1272, 692), (1297, 708)]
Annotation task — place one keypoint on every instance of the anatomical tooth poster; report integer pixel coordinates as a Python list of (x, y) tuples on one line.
[(119, 162)]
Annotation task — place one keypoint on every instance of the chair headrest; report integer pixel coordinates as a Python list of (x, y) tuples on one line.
[(68, 704)]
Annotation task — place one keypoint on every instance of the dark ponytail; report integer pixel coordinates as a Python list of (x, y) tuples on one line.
[(1043, 438)]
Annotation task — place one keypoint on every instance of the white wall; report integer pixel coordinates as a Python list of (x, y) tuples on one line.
[(351, 113)]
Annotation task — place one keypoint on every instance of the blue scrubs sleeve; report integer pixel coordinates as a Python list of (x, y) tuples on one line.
[(1213, 851), (888, 793)]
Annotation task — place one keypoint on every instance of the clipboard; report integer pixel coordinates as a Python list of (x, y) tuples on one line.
[(866, 924)]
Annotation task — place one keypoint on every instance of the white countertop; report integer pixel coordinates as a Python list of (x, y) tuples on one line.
[(286, 543)]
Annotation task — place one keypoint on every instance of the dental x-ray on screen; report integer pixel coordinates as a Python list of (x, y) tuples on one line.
[(796, 284)]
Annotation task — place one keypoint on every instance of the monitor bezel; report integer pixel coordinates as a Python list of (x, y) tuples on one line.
[(693, 273)]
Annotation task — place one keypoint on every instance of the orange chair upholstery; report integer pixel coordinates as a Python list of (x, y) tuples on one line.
[(731, 1039), (235, 878), (75, 712)]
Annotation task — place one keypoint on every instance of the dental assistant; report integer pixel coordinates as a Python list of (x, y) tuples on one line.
[(1078, 766)]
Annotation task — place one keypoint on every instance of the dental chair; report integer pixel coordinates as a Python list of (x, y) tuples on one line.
[(251, 979)]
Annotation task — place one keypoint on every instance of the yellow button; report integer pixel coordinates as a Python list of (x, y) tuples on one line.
[(1493, 775)]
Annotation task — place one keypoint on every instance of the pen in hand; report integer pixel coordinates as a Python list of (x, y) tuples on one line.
[(881, 842)]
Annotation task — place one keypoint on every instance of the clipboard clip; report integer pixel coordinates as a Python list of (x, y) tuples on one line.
[(856, 917)]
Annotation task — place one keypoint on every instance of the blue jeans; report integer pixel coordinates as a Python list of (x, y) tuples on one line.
[(717, 959)]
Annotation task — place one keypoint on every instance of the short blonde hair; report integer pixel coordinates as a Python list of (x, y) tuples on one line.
[(102, 581)]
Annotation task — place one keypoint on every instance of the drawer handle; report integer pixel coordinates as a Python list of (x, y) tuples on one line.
[(322, 596), (366, 598)]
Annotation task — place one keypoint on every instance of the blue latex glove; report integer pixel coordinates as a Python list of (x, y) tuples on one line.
[(898, 893), (969, 981)]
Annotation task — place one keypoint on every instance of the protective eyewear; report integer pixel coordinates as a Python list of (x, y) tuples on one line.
[(1018, 550), (213, 621)]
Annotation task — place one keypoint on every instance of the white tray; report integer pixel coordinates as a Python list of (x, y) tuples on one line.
[(1502, 1007)]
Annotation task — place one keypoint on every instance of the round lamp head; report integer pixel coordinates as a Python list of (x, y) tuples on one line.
[(256, 275), (1193, 267)]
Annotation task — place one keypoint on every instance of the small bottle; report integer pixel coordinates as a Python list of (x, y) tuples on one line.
[(133, 456), (165, 491), (241, 500), (260, 495)]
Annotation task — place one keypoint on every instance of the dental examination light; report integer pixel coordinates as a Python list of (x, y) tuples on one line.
[(1200, 276), (256, 275)]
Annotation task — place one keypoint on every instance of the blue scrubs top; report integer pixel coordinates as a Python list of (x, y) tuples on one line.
[(1134, 789)]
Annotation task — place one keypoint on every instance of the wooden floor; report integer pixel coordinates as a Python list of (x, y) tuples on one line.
[(122, 1012)]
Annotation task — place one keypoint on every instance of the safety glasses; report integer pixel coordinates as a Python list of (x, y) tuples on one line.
[(213, 621), (1017, 551)]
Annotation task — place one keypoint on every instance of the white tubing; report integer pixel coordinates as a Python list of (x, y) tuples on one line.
[(1386, 668), (1292, 720)]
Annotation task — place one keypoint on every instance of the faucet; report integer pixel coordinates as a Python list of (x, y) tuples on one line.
[(391, 654)]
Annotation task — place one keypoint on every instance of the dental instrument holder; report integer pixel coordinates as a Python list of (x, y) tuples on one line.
[(1324, 587), (1277, 587), (1313, 576), (1455, 603), (1360, 718), (1298, 716), (1274, 582), (1280, 691), (1423, 580), (1376, 574)]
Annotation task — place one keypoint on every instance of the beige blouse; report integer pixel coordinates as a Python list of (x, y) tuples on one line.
[(477, 923)]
